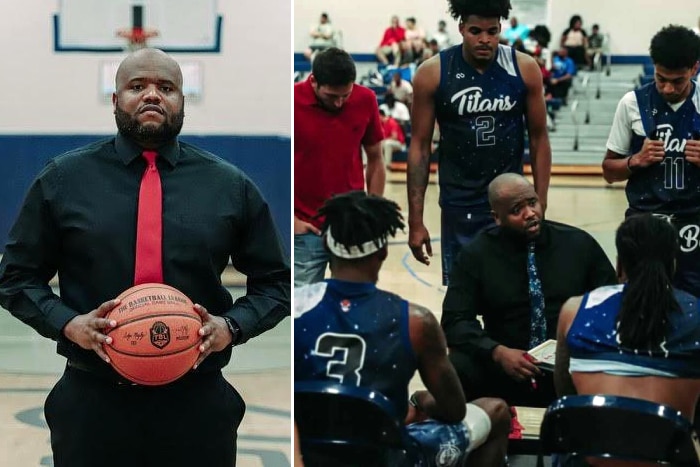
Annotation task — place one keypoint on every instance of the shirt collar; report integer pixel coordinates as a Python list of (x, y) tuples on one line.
[(128, 150)]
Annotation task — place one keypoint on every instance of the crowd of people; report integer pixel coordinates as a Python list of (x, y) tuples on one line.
[(514, 278)]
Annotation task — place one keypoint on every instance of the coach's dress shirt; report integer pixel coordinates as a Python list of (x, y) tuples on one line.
[(79, 220), (489, 278)]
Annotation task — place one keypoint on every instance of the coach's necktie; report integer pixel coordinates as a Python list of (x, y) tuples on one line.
[(149, 225), (538, 323)]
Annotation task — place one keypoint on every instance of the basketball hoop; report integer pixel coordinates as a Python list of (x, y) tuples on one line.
[(136, 37)]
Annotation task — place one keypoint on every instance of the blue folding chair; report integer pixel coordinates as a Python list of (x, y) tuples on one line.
[(347, 426), (616, 427)]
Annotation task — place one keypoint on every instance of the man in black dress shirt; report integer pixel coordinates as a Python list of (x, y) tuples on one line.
[(79, 220), (490, 278)]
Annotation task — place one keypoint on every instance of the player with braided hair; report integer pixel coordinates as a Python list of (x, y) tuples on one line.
[(483, 95), (639, 338), (346, 330)]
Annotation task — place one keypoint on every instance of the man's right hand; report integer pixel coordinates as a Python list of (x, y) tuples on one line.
[(87, 330), (652, 152), (514, 363), (418, 236), (301, 227)]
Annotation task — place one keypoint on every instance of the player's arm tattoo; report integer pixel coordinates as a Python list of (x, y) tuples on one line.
[(417, 181)]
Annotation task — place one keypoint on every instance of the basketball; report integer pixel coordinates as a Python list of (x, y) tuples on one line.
[(157, 334)]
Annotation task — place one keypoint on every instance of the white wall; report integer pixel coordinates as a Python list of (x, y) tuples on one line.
[(247, 87), (631, 23)]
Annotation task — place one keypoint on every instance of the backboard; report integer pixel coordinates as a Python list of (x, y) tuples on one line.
[(180, 25)]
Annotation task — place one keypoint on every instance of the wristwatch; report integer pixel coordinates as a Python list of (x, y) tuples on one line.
[(235, 330)]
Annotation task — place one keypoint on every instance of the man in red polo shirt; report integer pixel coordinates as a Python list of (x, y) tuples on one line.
[(333, 119), (392, 43)]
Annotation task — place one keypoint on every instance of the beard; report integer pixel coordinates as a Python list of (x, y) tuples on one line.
[(150, 135)]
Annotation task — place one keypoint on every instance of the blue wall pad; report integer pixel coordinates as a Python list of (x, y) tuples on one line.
[(266, 160)]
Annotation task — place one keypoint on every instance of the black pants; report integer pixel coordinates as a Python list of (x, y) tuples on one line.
[(96, 422), (482, 377)]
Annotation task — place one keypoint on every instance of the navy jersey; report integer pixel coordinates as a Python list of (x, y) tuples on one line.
[(355, 334), (482, 128), (673, 185), (593, 342)]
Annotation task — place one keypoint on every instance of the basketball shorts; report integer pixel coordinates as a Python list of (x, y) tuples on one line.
[(448, 444), (458, 226)]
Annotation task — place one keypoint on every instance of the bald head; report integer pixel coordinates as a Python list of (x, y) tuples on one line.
[(515, 205), (148, 102), (148, 60), (503, 185)]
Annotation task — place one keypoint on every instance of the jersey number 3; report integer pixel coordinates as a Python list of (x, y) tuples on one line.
[(348, 356), (485, 125)]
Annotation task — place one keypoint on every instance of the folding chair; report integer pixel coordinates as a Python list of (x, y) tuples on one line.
[(617, 427), (348, 426)]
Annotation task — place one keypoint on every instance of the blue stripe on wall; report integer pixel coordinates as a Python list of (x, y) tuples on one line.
[(301, 64), (266, 160)]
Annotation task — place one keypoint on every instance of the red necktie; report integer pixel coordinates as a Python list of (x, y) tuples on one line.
[(149, 225)]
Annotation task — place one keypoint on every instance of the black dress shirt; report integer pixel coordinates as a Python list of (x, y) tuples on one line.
[(79, 219), (489, 278)]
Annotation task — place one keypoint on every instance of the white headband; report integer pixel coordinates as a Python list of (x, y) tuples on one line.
[(354, 252)]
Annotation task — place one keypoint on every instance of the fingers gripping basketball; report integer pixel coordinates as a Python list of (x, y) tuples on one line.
[(156, 335)]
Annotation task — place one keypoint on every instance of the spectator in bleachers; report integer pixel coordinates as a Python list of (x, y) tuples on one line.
[(441, 36), (595, 44), (575, 40), (516, 275), (654, 145), (398, 110), (519, 45), (415, 38), (432, 49), (322, 37), (334, 120), (563, 72), (391, 44), (538, 44), (394, 139), (515, 31), (401, 89), (639, 338), (386, 340)]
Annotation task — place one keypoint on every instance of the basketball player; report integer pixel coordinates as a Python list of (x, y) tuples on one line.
[(637, 339), (385, 340), (653, 144), (483, 95), (79, 220)]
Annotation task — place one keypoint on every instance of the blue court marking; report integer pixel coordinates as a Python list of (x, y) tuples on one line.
[(411, 271)]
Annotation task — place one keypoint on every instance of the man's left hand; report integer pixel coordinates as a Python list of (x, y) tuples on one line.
[(215, 334)]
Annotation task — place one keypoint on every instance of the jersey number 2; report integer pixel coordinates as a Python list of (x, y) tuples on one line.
[(351, 350), (485, 125)]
